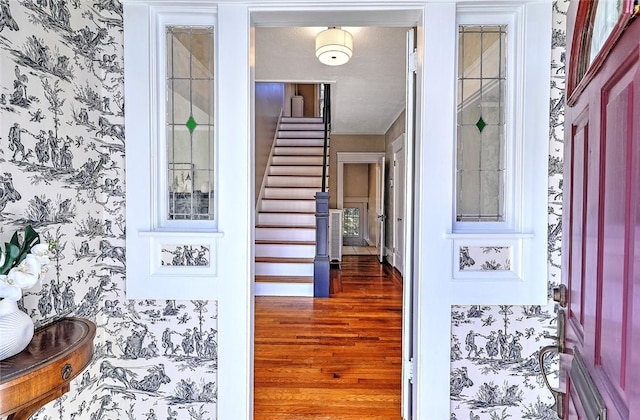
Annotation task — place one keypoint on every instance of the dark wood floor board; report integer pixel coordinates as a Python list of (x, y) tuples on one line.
[(336, 358)]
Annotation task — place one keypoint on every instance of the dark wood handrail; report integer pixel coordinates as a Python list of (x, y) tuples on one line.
[(326, 115)]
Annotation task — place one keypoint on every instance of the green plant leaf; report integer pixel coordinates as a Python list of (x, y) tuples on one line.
[(11, 254), (31, 238), (14, 239)]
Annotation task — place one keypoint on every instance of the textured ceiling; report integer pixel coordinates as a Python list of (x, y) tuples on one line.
[(368, 92)]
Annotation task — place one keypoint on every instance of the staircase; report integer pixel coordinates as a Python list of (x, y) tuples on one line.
[(285, 222)]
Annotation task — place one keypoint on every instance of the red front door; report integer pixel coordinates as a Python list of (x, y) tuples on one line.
[(601, 244)]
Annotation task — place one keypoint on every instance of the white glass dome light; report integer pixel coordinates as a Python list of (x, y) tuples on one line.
[(334, 46)]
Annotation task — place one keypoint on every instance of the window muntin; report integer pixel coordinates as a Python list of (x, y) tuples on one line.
[(190, 116), (481, 123)]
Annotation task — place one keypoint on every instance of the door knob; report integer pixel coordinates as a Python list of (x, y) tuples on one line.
[(560, 295)]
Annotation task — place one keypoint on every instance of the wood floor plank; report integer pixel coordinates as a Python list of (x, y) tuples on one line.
[(332, 359)]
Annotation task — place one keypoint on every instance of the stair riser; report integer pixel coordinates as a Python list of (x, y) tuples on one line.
[(284, 134), (300, 142), (285, 251), (296, 170), (301, 120), (289, 205), (283, 269), (301, 127), (293, 235), (290, 193), (292, 181), (284, 289), (298, 151), (286, 219), (297, 160)]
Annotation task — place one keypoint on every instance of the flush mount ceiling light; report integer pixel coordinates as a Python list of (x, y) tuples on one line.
[(334, 46)]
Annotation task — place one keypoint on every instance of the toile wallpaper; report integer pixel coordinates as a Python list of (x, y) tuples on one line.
[(494, 349), (62, 171)]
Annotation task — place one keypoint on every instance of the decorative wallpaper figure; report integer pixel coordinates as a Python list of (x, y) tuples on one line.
[(494, 349), (62, 151), (190, 255)]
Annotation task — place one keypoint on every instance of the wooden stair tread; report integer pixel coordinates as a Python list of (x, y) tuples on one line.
[(288, 165), (298, 163), (293, 186), (286, 212), (288, 155), (299, 175), (285, 227), (288, 199), (284, 260), (284, 279), (283, 242)]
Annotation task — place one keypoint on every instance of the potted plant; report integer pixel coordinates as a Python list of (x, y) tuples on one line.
[(23, 261)]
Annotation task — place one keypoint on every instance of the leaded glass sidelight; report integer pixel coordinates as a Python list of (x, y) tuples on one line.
[(480, 152), (190, 122)]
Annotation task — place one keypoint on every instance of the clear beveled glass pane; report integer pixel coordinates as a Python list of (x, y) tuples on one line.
[(202, 101), (468, 201), (491, 196), (493, 102), (471, 101), (491, 94), (471, 44), (469, 148), (492, 148), (180, 151), (179, 55), (180, 101), (202, 58), (202, 154), (491, 48)]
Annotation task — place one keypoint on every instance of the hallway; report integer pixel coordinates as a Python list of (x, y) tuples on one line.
[(336, 358)]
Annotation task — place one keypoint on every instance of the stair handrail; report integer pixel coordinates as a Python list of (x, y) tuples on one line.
[(326, 116)]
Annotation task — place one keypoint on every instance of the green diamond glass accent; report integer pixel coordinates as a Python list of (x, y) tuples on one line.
[(191, 124), (481, 124)]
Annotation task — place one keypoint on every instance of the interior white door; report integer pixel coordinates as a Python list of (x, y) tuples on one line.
[(380, 208), (408, 370), (398, 204)]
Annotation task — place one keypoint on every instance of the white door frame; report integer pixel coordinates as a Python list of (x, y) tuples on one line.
[(352, 157), (432, 311), (398, 195)]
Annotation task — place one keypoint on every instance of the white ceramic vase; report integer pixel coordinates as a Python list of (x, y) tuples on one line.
[(16, 329)]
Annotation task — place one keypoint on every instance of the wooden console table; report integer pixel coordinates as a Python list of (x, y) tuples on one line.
[(43, 371)]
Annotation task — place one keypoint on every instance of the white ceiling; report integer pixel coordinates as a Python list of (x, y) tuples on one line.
[(368, 93)]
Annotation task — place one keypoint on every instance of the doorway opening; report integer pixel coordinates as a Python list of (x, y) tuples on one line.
[(350, 144)]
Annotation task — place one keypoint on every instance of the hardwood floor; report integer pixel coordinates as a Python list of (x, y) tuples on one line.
[(336, 358)]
